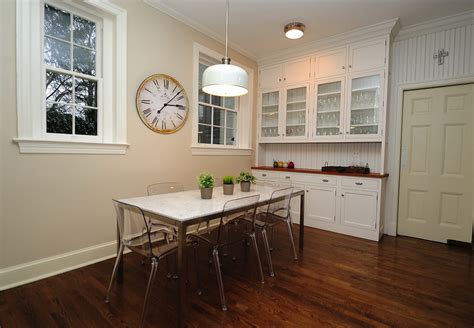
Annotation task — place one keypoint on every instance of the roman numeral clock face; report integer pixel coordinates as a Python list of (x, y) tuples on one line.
[(162, 104)]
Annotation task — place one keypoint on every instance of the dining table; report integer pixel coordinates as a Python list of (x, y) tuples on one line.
[(186, 208)]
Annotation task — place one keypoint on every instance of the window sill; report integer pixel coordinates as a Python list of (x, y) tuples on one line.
[(38, 146), (220, 151)]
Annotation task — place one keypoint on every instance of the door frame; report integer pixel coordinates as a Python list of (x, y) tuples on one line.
[(398, 139)]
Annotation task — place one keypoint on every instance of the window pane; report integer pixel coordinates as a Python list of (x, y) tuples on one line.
[(229, 102), (218, 136), (204, 134), (86, 92), (205, 114), (57, 23), (84, 61), (58, 118), (230, 137), (202, 68), (219, 117), (204, 97), (231, 119), (216, 100), (58, 87), (86, 121), (57, 53), (84, 32)]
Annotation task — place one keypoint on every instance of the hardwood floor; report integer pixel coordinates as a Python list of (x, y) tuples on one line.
[(338, 281)]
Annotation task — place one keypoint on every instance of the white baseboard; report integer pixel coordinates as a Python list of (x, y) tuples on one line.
[(39, 269)]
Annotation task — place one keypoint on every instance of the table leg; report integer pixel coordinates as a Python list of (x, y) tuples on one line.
[(302, 221), (181, 274), (120, 267)]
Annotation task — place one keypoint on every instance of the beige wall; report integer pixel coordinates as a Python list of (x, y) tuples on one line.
[(54, 204)]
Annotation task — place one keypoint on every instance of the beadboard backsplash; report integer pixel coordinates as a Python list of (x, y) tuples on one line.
[(313, 156)]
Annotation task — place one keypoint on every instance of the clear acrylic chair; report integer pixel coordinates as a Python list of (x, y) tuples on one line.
[(234, 211), (136, 234), (277, 211)]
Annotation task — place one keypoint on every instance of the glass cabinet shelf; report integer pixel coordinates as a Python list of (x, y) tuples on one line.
[(328, 108), (296, 107), (364, 105), (270, 114)]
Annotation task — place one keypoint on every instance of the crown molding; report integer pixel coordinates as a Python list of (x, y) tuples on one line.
[(443, 23), (158, 4), (388, 27)]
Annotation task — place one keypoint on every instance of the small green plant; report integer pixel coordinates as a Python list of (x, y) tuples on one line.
[(245, 177), (206, 180), (228, 180)]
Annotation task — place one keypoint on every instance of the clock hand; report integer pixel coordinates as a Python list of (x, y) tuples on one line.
[(159, 111), (177, 105)]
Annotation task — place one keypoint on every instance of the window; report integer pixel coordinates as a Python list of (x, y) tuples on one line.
[(71, 77), (71, 60), (217, 116), (222, 125)]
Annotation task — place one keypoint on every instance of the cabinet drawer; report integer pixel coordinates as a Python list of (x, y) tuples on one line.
[(361, 183), (262, 175), (321, 179)]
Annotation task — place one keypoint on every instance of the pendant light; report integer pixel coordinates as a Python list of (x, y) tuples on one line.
[(224, 79)]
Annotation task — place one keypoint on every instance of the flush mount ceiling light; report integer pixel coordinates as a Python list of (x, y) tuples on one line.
[(224, 79), (294, 30)]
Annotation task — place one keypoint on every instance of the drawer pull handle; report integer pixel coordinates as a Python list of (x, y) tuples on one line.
[(264, 175), (359, 183), (287, 177), (325, 180)]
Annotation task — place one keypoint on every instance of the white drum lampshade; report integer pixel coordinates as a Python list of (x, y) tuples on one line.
[(225, 80)]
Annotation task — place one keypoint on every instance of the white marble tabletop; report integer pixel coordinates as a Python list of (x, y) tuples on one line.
[(188, 205)]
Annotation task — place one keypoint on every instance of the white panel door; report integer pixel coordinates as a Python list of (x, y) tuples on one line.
[(271, 77), (321, 203), (297, 71), (367, 55), (331, 63), (436, 179), (359, 209)]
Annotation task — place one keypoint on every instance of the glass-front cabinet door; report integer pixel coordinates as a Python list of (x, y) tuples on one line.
[(329, 102), (270, 115), (296, 109), (365, 105)]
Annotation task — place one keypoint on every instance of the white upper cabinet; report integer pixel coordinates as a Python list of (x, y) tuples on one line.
[(271, 77), (297, 71), (330, 63), (367, 55)]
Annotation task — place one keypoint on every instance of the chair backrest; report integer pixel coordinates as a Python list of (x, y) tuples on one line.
[(164, 188), (135, 231), (280, 202), (237, 208)]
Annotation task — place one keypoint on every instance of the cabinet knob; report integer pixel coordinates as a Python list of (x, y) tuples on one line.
[(279, 80), (264, 175), (347, 132), (284, 79), (343, 67), (340, 132), (325, 180), (350, 66), (359, 183), (307, 190), (287, 177), (342, 195)]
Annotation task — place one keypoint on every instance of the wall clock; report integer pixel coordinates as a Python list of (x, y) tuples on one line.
[(162, 103)]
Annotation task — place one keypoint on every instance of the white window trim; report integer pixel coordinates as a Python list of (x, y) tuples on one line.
[(32, 137), (244, 118)]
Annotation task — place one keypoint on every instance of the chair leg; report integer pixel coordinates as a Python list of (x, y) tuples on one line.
[(168, 263), (196, 263), (114, 272), (267, 250), (215, 255), (254, 242), (271, 239), (154, 267), (290, 233)]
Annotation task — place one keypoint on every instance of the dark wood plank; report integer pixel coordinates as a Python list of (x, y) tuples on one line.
[(339, 281), (316, 171)]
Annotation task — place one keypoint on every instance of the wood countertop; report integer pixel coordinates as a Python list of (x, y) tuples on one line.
[(316, 171)]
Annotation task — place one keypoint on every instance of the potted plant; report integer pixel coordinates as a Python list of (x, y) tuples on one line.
[(228, 184), (245, 179), (206, 184)]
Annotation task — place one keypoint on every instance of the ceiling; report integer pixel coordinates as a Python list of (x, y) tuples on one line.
[(256, 26)]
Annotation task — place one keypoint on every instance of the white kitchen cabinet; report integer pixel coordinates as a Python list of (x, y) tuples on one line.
[(366, 102), (270, 77), (338, 203), (367, 55), (270, 115), (321, 203), (359, 209), (297, 71), (329, 108), (330, 63), (296, 111)]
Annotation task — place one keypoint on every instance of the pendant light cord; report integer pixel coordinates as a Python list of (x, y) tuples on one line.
[(226, 28)]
